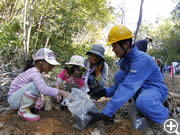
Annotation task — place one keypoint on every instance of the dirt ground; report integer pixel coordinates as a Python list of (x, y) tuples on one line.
[(60, 122)]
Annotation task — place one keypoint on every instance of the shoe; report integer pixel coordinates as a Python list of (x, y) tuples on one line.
[(27, 115), (24, 110)]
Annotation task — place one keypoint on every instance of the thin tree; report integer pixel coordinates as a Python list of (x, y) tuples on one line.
[(31, 17), (140, 20), (24, 28)]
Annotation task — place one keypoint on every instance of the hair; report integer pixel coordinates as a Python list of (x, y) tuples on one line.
[(28, 64), (149, 39), (121, 42), (101, 59), (71, 68), (31, 63)]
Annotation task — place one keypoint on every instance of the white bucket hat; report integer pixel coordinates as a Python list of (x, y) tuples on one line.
[(47, 55), (76, 60)]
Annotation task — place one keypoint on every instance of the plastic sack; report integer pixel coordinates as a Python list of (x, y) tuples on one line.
[(79, 103), (138, 121)]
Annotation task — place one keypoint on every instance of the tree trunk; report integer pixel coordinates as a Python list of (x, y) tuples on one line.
[(29, 28), (24, 33), (139, 21), (39, 26), (13, 11), (47, 41), (123, 16)]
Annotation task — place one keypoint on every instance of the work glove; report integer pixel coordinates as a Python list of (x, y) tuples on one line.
[(98, 93), (48, 105), (96, 116)]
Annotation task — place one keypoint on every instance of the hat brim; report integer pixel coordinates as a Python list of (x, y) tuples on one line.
[(95, 53), (53, 62), (71, 63), (114, 41)]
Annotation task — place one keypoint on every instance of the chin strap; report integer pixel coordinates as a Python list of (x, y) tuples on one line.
[(125, 50)]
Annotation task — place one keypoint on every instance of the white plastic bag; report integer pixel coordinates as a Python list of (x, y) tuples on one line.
[(79, 103)]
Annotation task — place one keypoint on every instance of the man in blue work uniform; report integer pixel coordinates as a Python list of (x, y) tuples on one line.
[(138, 73), (142, 44)]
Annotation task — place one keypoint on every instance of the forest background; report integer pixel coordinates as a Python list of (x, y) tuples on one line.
[(71, 27)]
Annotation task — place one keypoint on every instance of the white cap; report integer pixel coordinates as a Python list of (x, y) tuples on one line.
[(76, 60), (47, 55)]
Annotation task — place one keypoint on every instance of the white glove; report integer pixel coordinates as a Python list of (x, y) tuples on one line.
[(48, 105)]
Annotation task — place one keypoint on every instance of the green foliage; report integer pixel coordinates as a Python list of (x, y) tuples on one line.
[(64, 53), (9, 39), (68, 26), (71, 27), (110, 60), (166, 37)]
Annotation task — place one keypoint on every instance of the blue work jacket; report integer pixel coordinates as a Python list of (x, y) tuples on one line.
[(137, 70)]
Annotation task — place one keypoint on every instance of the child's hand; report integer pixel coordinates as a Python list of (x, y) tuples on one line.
[(39, 103), (98, 70), (63, 93), (98, 73), (58, 99), (98, 78)]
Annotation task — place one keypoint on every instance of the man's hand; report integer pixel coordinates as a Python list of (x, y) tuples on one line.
[(97, 117), (98, 93)]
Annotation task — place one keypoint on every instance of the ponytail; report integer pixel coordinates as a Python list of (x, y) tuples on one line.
[(29, 64)]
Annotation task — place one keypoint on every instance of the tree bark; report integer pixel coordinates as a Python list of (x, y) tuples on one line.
[(24, 28), (39, 26), (139, 21), (47, 41), (29, 27), (13, 10)]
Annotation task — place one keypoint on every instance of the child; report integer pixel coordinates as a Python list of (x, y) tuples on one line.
[(27, 86), (97, 67), (72, 75)]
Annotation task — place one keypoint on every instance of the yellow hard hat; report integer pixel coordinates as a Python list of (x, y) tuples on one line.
[(117, 33)]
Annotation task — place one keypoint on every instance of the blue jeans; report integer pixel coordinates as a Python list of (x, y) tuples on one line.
[(15, 98), (92, 81)]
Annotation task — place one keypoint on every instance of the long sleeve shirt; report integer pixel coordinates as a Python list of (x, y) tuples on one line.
[(32, 75), (64, 80), (137, 70)]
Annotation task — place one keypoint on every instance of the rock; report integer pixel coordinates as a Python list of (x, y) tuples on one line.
[(95, 132), (4, 110), (1, 124)]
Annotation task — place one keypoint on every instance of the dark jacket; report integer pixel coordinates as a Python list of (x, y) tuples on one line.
[(141, 45), (104, 72)]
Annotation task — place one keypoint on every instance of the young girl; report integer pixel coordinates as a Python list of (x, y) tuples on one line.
[(72, 75), (27, 86), (97, 67)]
